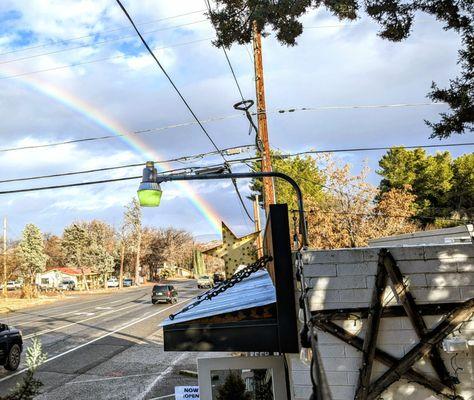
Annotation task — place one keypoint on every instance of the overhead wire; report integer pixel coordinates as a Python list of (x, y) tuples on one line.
[(119, 56), (144, 42), (125, 166), (63, 41), (100, 42), (109, 180), (234, 182)]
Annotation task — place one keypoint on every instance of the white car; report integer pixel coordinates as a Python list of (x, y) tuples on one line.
[(11, 285), (113, 282)]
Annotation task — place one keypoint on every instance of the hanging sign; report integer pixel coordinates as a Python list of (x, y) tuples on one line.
[(186, 392)]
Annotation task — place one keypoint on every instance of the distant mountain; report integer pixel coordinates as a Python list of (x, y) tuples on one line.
[(211, 237)]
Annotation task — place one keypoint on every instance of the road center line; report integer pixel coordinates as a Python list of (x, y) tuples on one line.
[(97, 339)]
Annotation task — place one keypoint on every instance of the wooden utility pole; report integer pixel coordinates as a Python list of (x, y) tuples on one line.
[(268, 189), (4, 256), (256, 218)]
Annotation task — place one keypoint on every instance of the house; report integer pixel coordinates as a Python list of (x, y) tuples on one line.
[(53, 277)]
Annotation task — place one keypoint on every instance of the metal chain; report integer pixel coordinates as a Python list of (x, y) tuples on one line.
[(228, 283)]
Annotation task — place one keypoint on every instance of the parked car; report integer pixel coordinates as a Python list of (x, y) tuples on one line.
[(218, 278), (205, 281), (164, 294), (12, 285), (11, 346), (127, 282), (113, 282), (67, 284)]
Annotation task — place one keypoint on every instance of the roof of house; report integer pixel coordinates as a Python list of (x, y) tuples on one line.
[(253, 291), (72, 271)]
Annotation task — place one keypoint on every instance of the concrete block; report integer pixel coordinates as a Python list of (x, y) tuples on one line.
[(395, 350), (323, 296), (365, 268), (400, 337), (332, 350), (420, 266), (451, 253), (407, 253), (450, 279), (352, 352), (436, 294), (355, 295), (390, 324), (416, 280), (341, 364), (352, 378), (468, 266), (339, 282), (337, 378), (343, 392), (302, 392), (319, 270), (467, 292)]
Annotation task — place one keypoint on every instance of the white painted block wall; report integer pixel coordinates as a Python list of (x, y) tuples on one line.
[(345, 278)]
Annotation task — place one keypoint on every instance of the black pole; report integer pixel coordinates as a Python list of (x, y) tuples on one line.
[(238, 175)]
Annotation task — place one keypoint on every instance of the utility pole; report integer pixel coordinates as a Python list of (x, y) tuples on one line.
[(268, 188), (4, 256), (256, 218)]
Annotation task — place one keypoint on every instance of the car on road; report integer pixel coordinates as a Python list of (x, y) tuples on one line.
[(12, 285), (112, 282), (164, 294), (204, 282), (127, 282), (11, 346)]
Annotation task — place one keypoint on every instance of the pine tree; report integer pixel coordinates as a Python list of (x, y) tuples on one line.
[(233, 389), (77, 245), (32, 256)]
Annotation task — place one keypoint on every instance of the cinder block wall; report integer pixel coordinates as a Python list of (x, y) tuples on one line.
[(345, 278)]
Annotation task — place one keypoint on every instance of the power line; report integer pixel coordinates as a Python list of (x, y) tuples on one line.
[(98, 60), (208, 5), (89, 171), (126, 178), (63, 41), (357, 149), (221, 118), (181, 97), (97, 43)]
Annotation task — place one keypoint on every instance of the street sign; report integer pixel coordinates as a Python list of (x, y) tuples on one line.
[(186, 392)]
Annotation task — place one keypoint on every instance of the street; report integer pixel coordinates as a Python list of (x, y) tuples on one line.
[(107, 346)]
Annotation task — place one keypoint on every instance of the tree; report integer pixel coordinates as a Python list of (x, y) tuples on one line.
[(304, 170), (462, 190), (443, 187), (31, 255), (233, 388), (133, 221), (234, 20), (76, 244), (102, 248), (54, 251)]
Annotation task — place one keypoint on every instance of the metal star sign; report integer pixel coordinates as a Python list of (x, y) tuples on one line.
[(235, 251)]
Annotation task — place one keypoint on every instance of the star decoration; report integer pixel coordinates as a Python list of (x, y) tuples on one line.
[(234, 251)]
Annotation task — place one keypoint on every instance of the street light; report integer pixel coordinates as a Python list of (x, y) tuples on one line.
[(149, 191)]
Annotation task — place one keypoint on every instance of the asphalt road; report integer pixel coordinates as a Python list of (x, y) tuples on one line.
[(104, 346)]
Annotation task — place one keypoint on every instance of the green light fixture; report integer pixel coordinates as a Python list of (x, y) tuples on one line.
[(149, 192)]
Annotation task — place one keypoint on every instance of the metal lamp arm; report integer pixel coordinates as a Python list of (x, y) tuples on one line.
[(238, 175)]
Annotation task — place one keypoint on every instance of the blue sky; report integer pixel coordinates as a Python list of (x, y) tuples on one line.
[(340, 65)]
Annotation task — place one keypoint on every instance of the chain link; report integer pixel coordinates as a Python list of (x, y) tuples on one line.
[(228, 283)]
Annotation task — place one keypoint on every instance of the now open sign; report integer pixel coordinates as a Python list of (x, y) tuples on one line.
[(186, 392)]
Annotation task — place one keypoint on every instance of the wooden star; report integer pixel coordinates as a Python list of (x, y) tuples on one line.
[(235, 251)]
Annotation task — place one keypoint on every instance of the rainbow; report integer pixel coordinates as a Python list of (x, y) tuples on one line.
[(100, 119)]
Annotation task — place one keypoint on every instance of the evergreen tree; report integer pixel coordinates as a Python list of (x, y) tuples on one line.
[(77, 245), (31, 254), (233, 389), (234, 20)]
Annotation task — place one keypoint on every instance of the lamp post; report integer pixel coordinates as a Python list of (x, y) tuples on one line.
[(149, 191)]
